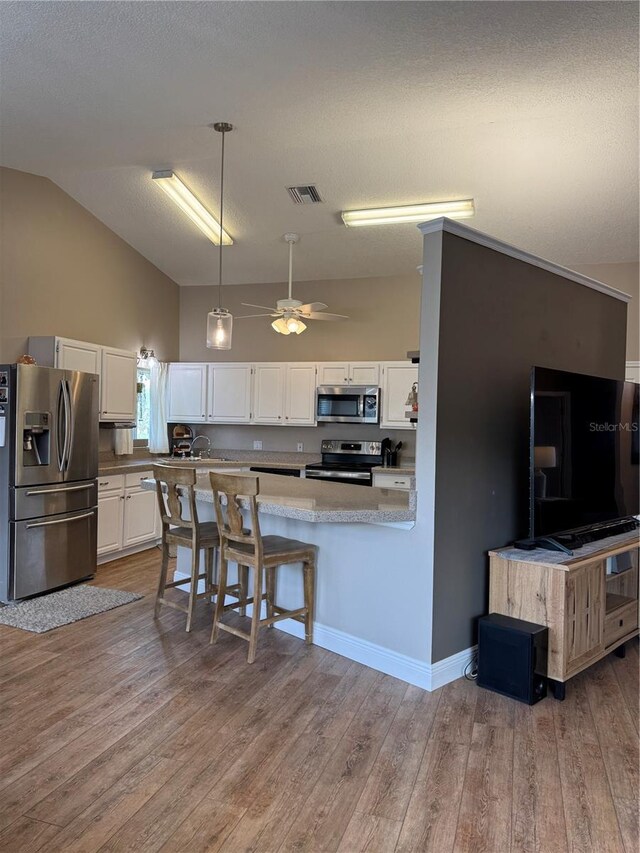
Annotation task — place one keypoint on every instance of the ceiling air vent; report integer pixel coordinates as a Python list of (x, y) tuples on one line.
[(307, 194)]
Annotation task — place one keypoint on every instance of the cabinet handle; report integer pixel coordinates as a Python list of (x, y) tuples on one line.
[(121, 497), (105, 483), (128, 497)]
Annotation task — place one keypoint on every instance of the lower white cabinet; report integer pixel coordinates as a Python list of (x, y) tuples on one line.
[(127, 514), (397, 379), (384, 480)]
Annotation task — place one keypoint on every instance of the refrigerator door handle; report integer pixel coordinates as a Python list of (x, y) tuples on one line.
[(61, 426), (59, 520), (68, 410), (58, 491)]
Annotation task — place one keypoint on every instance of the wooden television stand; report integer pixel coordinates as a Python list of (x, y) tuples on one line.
[(590, 610)]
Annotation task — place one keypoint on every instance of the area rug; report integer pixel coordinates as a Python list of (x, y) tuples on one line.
[(47, 612)]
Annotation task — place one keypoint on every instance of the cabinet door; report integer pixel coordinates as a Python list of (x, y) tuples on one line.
[(76, 355), (140, 517), (118, 385), (364, 373), (110, 513), (584, 614), (188, 393), (229, 393), (268, 393), (333, 373), (300, 396), (397, 379)]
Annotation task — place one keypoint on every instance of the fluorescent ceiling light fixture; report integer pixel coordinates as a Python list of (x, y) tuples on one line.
[(189, 204), (409, 213)]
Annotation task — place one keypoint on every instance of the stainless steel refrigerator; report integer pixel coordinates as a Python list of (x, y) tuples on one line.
[(48, 478)]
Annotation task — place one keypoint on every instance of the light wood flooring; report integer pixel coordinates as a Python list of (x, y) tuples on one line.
[(121, 733)]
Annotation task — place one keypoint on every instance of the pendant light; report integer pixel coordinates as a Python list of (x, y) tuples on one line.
[(219, 320)]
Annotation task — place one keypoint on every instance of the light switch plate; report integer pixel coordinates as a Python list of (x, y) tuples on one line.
[(300, 447), (257, 445)]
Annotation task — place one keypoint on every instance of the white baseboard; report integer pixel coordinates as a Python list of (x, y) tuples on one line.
[(126, 552), (411, 670)]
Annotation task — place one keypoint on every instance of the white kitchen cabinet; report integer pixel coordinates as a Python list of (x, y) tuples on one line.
[(384, 480), (110, 516), (127, 514), (349, 373), (188, 393), (333, 373), (397, 379), (229, 393), (115, 367), (269, 393), (364, 373), (117, 385), (300, 395), (141, 517)]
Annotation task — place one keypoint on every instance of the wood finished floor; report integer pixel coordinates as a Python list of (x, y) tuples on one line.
[(121, 733)]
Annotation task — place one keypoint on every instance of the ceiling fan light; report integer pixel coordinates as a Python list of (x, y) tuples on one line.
[(219, 329), (295, 325), (280, 327), (460, 209)]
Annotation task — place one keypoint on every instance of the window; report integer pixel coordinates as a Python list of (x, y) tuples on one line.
[(143, 416)]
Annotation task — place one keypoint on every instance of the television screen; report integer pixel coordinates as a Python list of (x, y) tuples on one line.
[(583, 451)]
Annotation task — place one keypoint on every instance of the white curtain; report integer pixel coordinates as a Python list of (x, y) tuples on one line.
[(123, 442), (158, 440)]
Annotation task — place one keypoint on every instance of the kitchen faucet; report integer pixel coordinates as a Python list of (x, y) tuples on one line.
[(206, 453)]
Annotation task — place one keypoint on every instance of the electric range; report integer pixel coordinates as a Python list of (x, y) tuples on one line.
[(347, 461)]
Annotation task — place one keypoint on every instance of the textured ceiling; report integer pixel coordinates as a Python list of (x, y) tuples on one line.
[(530, 108)]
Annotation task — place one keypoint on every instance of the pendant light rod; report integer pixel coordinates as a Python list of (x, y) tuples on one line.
[(291, 239), (221, 127)]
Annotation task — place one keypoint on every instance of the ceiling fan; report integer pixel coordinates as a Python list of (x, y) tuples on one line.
[(290, 313)]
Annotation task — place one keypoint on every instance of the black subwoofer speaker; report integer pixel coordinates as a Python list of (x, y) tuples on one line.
[(512, 657)]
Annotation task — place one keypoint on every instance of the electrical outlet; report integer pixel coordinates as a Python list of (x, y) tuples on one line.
[(300, 447), (257, 445)]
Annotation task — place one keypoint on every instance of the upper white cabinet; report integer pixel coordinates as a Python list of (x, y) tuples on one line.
[(188, 393), (397, 379), (229, 393), (349, 373), (268, 393), (117, 385), (115, 367), (76, 355), (300, 396)]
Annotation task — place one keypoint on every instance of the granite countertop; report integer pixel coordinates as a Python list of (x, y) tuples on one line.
[(309, 500), (232, 459)]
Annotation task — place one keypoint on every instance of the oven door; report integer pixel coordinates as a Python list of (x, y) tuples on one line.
[(356, 478)]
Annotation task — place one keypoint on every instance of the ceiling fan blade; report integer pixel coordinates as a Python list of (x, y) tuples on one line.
[(265, 307), (313, 306), (250, 316), (319, 315)]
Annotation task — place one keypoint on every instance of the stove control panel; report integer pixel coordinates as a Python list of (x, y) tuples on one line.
[(360, 448)]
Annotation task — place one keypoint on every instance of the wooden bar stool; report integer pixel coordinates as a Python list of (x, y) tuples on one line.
[(189, 532), (249, 549)]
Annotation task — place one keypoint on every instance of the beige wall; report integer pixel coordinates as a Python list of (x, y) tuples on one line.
[(62, 272), (625, 277), (384, 321)]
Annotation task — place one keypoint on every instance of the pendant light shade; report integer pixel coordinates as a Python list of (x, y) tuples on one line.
[(219, 329), (219, 320)]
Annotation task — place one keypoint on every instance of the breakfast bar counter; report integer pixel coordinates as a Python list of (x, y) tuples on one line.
[(310, 500)]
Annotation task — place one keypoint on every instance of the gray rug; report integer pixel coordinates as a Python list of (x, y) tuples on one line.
[(60, 608)]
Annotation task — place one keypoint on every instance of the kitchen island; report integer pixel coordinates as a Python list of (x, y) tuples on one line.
[(367, 547)]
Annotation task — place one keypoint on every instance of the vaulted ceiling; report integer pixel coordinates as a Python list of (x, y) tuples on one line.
[(530, 108)]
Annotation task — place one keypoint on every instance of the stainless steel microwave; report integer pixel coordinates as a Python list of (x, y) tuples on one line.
[(348, 404)]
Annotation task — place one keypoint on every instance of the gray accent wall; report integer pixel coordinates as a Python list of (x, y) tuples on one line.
[(498, 317)]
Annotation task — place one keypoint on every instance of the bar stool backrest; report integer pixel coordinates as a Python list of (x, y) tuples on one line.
[(179, 482), (229, 514)]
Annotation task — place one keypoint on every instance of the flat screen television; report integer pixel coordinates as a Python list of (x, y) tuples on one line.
[(583, 467)]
